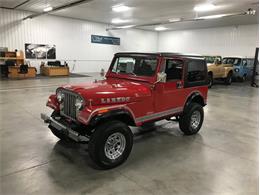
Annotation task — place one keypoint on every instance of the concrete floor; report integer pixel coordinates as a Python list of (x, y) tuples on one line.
[(221, 159)]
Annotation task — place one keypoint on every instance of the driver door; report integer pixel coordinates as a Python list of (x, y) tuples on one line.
[(168, 95), (220, 70)]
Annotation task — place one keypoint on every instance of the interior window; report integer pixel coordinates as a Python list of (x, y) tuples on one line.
[(196, 71), (174, 69)]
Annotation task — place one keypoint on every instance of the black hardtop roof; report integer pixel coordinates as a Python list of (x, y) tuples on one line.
[(163, 54)]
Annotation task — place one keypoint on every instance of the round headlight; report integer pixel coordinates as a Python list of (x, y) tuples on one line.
[(60, 96), (236, 70), (79, 103)]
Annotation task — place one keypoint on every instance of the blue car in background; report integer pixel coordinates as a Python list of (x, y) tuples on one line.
[(243, 67)]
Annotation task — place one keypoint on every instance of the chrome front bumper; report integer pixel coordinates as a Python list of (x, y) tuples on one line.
[(64, 129)]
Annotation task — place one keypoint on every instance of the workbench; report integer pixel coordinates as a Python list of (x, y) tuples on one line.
[(55, 71), (14, 72)]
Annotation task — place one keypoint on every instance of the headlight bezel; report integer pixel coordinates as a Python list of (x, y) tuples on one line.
[(59, 95), (79, 102), (236, 69)]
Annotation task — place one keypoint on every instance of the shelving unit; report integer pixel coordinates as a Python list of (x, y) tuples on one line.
[(17, 57)]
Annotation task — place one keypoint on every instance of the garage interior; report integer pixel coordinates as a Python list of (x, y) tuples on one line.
[(221, 159)]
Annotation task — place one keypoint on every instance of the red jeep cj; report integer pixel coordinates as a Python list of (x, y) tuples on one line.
[(139, 88)]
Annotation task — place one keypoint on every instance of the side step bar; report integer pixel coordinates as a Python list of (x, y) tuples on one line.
[(64, 129)]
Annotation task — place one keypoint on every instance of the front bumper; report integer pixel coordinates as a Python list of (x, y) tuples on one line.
[(64, 129)]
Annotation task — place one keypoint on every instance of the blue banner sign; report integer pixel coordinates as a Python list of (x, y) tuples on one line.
[(105, 40)]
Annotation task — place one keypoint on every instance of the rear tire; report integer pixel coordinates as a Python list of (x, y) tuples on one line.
[(110, 144), (192, 118), (228, 80)]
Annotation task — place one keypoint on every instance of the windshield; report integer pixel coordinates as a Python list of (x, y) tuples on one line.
[(137, 66), (210, 59), (234, 61)]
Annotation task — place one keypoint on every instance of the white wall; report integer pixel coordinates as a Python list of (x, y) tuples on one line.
[(241, 40), (72, 39)]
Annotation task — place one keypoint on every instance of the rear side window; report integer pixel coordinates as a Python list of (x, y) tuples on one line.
[(196, 71)]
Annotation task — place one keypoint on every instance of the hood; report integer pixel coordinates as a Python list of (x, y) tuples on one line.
[(111, 91)]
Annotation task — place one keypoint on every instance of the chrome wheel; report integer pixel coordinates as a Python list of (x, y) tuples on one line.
[(115, 146), (195, 119)]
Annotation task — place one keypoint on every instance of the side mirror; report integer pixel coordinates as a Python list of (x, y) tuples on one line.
[(161, 77)]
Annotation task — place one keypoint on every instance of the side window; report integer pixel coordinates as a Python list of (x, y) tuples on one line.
[(174, 69), (196, 71)]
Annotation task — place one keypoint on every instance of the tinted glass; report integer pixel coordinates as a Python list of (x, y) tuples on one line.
[(174, 69), (234, 61), (136, 66), (196, 71)]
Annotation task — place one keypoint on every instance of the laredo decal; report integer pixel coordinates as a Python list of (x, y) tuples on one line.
[(115, 100)]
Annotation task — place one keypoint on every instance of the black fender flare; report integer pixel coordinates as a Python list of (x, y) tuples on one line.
[(118, 114), (195, 97)]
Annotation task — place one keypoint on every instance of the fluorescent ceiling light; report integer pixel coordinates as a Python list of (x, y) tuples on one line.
[(120, 8), (127, 26), (204, 7), (47, 9), (118, 21), (212, 16), (160, 28)]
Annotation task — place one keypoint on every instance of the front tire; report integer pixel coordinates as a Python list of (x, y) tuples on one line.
[(228, 80), (192, 118), (110, 144)]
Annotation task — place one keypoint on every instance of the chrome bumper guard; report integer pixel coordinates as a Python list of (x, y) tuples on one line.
[(64, 129)]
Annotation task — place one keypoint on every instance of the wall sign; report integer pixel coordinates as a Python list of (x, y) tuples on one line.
[(40, 51), (105, 40)]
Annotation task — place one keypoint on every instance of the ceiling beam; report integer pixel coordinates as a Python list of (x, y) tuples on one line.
[(21, 4), (16, 5), (248, 12), (58, 8)]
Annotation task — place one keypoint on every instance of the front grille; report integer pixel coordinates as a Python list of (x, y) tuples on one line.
[(69, 108)]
